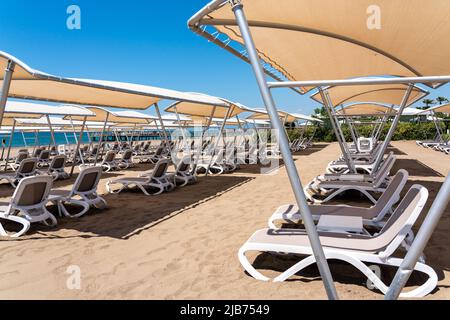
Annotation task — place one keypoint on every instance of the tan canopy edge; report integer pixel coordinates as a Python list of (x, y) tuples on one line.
[(100, 114), (337, 39), (366, 109), (445, 108), (30, 84), (385, 93), (220, 107), (20, 109)]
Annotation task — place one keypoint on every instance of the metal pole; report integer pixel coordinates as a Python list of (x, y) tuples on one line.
[(341, 141), (52, 133), (200, 145), (78, 147), (230, 110), (392, 129), (10, 144), (5, 90), (350, 127), (297, 188), (100, 146), (163, 128), (419, 244)]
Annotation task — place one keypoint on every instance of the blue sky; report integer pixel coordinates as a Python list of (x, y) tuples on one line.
[(145, 42)]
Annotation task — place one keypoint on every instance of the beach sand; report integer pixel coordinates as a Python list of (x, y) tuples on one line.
[(184, 244)]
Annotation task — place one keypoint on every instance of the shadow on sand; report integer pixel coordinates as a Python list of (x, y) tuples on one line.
[(125, 217), (415, 168)]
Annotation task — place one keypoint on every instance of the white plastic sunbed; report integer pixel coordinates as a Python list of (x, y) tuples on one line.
[(27, 205), (351, 248), (156, 178), (371, 216), (83, 193)]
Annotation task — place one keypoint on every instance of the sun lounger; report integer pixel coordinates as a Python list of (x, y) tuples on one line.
[(44, 158), (83, 193), (56, 168), (26, 168), (20, 157), (362, 183), (109, 162), (183, 175), (27, 205), (373, 216), (156, 178), (351, 248), (127, 160)]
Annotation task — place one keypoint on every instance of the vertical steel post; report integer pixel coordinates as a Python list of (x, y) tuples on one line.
[(163, 128), (285, 151), (78, 147), (100, 145), (392, 129), (11, 137), (7, 79), (341, 141), (52, 133), (216, 143), (200, 145), (423, 236)]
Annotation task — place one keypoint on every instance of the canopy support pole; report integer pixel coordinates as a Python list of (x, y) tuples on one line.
[(181, 128), (10, 144), (216, 144), (437, 125), (422, 237), (342, 144), (352, 133), (78, 146), (200, 145), (6, 85), (100, 145), (392, 129), (52, 133), (285, 151), (166, 138)]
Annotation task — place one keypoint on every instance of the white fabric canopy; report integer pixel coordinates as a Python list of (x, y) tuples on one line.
[(445, 108), (32, 84), (338, 39)]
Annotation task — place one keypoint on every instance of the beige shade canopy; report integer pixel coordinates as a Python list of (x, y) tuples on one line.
[(218, 105), (261, 114), (128, 116), (21, 109), (58, 122), (336, 39), (31, 84), (385, 93), (365, 109), (445, 108)]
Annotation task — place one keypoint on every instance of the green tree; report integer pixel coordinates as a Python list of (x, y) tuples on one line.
[(427, 103), (441, 100)]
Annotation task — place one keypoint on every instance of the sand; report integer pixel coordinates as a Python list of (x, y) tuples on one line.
[(183, 245)]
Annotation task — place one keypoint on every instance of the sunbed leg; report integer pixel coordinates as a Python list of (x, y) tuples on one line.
[(295, 268), (248, 266)]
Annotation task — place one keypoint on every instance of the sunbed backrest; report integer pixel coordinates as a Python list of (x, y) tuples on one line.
[(383, 173), (37, 152), (160, 168), (127, 155), (392, 193), (184, 165), (402, 219), (58, 162), (44, 155), (32, 191), (88, 179), (21, 156), (27, 166), (110, 155)]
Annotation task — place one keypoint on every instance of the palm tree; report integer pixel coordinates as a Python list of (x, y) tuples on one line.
[(441, 100), (427, 103)]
